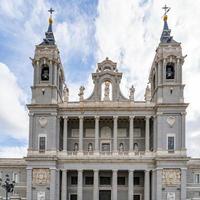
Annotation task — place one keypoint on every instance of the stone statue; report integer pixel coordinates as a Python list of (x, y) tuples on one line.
[(147, 94), (81, 93), (107, 91), (65, 94), (132, 93), (121, 147)]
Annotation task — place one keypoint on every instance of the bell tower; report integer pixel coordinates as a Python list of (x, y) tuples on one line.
[(48, 77), (166, 71)]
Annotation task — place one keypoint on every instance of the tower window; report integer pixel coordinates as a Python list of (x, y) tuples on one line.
[(170, 71), (42, 143), (45, 73), (171, 143)]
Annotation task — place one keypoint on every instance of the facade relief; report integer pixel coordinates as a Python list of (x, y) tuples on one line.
[(171, 196), (171, 177), (41, 176), (41, 195), (171, 121), (43, 122)]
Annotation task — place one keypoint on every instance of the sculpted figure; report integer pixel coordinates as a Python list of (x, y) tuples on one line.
[(81, 93), (65, 94), (148, 94), (132, 92)]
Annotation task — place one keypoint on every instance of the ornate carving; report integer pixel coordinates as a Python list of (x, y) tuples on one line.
[(41, 176), (41, 195), (171, 177), (171, 121), (171, 196), (43, 122), (107, 91)]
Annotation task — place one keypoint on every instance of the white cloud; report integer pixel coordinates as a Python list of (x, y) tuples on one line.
[(13, 116), (13, 152)]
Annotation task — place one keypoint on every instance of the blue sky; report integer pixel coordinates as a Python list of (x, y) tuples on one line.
[(86, 32)]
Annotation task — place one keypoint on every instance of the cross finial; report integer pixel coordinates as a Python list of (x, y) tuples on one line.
[(167, 9), (51, 11)]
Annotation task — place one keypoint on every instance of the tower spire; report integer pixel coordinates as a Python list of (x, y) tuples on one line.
[(49, 39), (166, 33)]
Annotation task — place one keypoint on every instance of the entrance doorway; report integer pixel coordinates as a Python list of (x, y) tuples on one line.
[(104, 195)]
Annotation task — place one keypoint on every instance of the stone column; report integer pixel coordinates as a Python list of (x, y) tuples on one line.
[(183, 183), (64, 184), (153, 184), (147, 185), (81, 134), (96, 134), (115, 133), (159, 184), (53, 184), (80, 184), (65, 134), (114, 185), (131, 132), (147, 138), (96, 185), (183, 131), (130, 184), (29, 184), (31, 118)]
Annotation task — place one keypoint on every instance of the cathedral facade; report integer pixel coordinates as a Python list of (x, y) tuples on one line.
[(106, 146)]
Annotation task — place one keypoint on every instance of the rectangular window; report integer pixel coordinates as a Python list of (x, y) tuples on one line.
[(88, 180), (15, 177), (105, 147), (105, 180), (121, 180), (136, 180), (136, 197), (171, 143), (197, 178), (74, 180), (42, 143), (73, 196)]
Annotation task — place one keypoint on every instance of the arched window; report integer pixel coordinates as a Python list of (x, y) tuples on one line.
[(45, 72), (136, 147), (170, 71), (121, 147), (75, 147), (90, 148)]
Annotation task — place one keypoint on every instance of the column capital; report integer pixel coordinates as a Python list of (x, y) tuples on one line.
[(147, 117), (115, 170), (115, 117), (64, 170), (30, 114), (80, 170), (97, 117), (131, 117), (96, 170), (131, 170), (65, 117), (81, 117), (183, 113), (147, 170)]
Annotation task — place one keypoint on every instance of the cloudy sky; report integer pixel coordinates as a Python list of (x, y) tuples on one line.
[(87, 31)]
